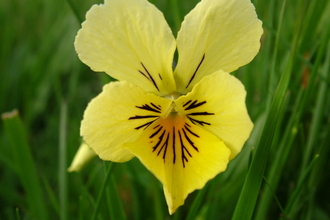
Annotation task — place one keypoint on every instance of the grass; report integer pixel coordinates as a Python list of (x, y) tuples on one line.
[(282, 172)]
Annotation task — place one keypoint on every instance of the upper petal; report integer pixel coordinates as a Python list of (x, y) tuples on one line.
[(181, 155), (217, 104), (216, 34), (118, 115), (129, 40)]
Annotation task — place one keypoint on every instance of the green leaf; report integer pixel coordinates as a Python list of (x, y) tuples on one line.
[(26, 169), (250, 191)]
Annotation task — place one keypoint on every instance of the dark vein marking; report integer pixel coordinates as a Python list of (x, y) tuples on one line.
[(164, 145), (149, 108), (146, 125), (164, 136), (201, 113), (143, 116), (143, 74), (153, 135), (173, 146), (193, 76), (183, 157), (152, 108), (157, 107), (156, 126), (184, 105), (186, 127), (189, 140), (149, 77), (194, 105), (195, 121), (183, 150), (160, 76), (160, 139)]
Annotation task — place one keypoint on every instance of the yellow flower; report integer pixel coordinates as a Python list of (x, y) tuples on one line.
[(183, 125)]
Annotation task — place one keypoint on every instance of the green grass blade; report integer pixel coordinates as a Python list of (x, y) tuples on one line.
[(51, 196), (250, 191), (63, 174), (75, 11), (116, 207), (157, 199), (102, 191), (26, 169), (18, 215), (323, 150), (278, 162), (196, 204), (319, 109), (294, 196), (301, 105)]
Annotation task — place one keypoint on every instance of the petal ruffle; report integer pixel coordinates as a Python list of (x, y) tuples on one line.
[(181, 155), (217, 104), (216, 35), (118, 115), (129, 40)]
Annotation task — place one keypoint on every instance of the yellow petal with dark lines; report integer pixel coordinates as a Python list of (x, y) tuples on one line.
[(217, 104), (181, 155), (129, 40), (120, 114)]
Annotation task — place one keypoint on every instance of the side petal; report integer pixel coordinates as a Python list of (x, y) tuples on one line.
[(217, 104), (181, 155), (118, 115), (129, 40), (216, 35)]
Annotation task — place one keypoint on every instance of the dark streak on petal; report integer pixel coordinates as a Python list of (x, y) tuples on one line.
[(157, 107), (153, 135), (173, 146), (201, 113), (195, 105), (164, 145), (160, 139), (193, 76), (162, 136), (195, 121), (153, 108), (184, 105), (148, 76), (186, 127), (189, 140), (149, 108), (143, 116), (146, 125)]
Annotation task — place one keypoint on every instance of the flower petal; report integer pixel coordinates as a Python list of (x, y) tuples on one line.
[(118, 115), (181, 155), (216, 35), (129, 40), (217, 104), (83, 156)]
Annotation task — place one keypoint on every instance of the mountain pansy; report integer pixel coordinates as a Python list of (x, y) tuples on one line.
[(185, 124)]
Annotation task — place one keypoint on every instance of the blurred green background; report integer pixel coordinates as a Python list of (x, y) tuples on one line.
[(42, 77)]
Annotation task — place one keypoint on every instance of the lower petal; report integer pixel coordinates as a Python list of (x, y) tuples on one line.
[(181, 155)]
